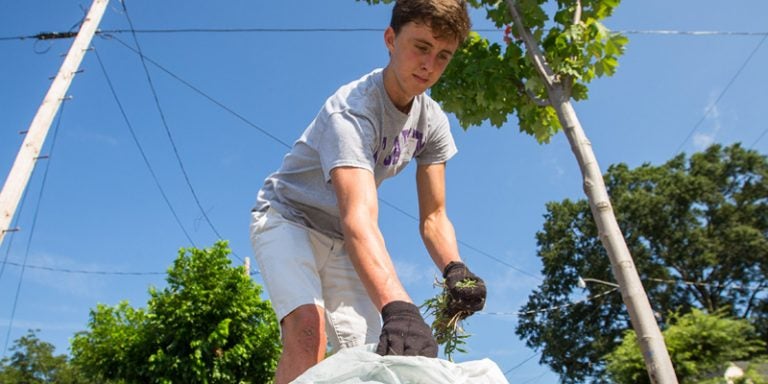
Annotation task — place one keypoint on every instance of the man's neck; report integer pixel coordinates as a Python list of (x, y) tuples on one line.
[(391, 87)]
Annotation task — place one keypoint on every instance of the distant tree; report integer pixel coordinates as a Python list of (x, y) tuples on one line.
[(209, 325), (33, 361), (698, 230), (701, 346), (114, 343)]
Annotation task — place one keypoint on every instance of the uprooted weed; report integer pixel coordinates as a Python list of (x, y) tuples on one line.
[(447, 327)]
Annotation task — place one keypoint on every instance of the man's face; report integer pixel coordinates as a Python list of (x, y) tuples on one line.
[(417, 60)]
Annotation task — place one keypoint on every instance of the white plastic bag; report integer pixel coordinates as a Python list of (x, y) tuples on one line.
[(362, 365)]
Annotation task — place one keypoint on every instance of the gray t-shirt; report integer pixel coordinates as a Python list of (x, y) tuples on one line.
[(358, 126)]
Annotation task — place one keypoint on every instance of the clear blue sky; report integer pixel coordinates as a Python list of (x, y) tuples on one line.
[(101, 211)]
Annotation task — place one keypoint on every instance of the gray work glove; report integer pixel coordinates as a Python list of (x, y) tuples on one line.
[(466, 291), (405, 332)]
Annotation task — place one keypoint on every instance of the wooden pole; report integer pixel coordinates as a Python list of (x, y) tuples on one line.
[(29, 152)]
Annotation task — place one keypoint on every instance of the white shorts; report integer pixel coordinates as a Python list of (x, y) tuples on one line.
[(302, 266)]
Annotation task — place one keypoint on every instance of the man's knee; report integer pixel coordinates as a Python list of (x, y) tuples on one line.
[(304, 330)]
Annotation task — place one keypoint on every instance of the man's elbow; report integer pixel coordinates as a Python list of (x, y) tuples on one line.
[(357, 226), (432, 222)]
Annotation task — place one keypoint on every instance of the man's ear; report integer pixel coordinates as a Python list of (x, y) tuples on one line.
[(389, 39)]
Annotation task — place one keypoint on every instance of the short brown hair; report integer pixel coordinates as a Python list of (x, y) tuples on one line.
[(447, 18)]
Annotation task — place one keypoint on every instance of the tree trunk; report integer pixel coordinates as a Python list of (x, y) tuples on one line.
[(654, 350), (651, 341)]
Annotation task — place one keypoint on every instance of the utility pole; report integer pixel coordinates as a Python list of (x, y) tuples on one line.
[(29, 153)]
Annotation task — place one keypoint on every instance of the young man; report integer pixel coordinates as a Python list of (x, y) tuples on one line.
[(315, 230)]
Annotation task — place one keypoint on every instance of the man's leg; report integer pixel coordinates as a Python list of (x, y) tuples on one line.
[(288, 262), (304, 342)]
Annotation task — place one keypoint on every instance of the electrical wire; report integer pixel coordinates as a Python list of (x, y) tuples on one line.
[(521, 363), (92, 272), (58, 35), (248, 30), (467, 245), (614, 289), (550, 309), (758, 139), (141, 149), (689, 33), (82, 271), (722, 93), (601, 294), (202, 93), (710, 285), (168, 130)]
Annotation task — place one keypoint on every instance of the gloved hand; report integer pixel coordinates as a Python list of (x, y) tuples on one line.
[(466, 291), (404, 332)]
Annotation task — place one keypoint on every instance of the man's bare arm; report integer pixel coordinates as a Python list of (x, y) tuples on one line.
[(358, 204), (436, 229)]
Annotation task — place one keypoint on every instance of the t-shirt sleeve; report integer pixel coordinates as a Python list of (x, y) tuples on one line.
[(345, 140), (440, 145)]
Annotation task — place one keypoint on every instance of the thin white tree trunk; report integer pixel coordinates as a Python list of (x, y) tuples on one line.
[(654, 350), (657, 361)]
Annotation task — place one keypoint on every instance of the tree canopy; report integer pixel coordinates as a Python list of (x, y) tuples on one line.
[(33, 362), (489, 81), (701, 345), (209, 325), (698, 231)]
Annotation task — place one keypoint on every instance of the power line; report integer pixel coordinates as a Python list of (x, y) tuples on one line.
[(168, 130), (722, 93), (758, 139), (666, 32), (202, 93), (601, 294), (760, 287), (81, 271), (141, 150), (465, 244), (550, 309), (250, 30), (63, 35), (496, 259), (613, 289), (689, 33), (91, 272), (521, 363)]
